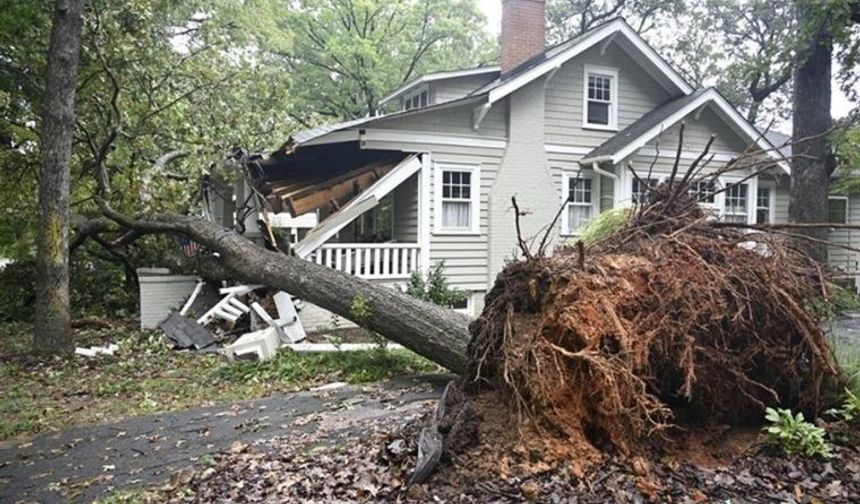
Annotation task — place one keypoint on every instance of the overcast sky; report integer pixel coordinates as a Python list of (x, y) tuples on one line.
[(493, 10)]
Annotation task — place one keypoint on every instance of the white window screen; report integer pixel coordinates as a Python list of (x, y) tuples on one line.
[(579, 205), (837, 210), (735, 207), (457, 199)]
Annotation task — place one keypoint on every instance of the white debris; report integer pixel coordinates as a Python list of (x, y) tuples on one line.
[(342, 347), (258, 345), (329, 386), (97, 350)]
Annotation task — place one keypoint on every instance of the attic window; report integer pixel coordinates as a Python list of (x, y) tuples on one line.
[(600, 98), (416, 99)]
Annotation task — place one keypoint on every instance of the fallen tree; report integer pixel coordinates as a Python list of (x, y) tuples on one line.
[(436, 333)]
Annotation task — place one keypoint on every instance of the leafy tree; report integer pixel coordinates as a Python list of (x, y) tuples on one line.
[(343, 56), (569, 18), (52, 332)]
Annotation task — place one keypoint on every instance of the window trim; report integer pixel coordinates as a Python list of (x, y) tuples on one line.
[(771, 187), (613, 102), (659, 177), (474, 198), (417, 92), (566, 175), (847, 207)]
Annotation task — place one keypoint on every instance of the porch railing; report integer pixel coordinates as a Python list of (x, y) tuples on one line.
[(369, 260)]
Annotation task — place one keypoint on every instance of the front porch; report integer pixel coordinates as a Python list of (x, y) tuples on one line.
[(376, 261)]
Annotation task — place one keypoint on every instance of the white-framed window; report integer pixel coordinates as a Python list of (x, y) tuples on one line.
[(418, 98), (465, 305), (703, 191), (641, 187), (458, 189), (837, 209), (600, 98), (579, 192), (764, 202), (736, 203)]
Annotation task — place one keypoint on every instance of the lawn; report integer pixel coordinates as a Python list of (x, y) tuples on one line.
[(145, 376)]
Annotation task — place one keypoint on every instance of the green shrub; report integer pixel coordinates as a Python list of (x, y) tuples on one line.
[(850, 409), (793, 434), (603, 225), (434, 288)]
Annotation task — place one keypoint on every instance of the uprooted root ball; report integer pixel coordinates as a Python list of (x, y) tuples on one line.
[(671, 315)]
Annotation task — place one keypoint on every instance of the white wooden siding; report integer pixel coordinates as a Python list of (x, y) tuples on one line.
[(406, 211), (452, 121), (452, 89)]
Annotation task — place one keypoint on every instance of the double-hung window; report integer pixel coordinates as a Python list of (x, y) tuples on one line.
[(703, 191), (641, 189), (735, 203), (458, 190), (600, 98), (580, 206)]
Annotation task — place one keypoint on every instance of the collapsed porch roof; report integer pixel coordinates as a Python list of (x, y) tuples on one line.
[(366, 200)]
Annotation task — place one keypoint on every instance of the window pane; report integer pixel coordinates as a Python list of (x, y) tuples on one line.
[(456, 214), (837, 210), (762, 216), (579, 190), (598, 112), (641, 187), (424, 99), (704, 191), (577, 216)]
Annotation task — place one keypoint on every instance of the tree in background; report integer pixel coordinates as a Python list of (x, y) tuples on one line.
[(344, 56), (747, 48), (822, 25), (52, 332), (569, 18)]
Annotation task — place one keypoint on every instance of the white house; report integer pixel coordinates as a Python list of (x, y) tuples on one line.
[(383, 196)]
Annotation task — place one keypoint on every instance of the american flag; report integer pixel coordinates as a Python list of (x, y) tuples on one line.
[(189, 247)]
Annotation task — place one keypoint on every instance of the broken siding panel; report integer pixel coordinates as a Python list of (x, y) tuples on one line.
[(638, 93), (161, 294), (406, 211)]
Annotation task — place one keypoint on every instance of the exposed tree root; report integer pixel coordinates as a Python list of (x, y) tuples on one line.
[(670, 317)]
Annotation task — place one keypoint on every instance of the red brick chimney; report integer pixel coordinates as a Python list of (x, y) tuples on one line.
[(523, 31)]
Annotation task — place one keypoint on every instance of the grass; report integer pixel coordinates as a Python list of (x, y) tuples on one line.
[(848, 358), (147, 377)]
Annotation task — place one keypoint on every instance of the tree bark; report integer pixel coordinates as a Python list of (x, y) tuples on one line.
[(436, 333), (810, 176), (52, 331)]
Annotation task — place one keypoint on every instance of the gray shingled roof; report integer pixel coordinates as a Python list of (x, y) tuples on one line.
[(643, 125)]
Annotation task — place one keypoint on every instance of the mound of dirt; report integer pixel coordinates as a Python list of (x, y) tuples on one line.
[(674, 318)]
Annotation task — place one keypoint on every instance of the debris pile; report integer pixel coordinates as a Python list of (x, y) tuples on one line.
[(673, 318)]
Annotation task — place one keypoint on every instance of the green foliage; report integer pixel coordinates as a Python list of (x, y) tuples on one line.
[(434, 288), (569, 18), (850, 408), (344, 56), (846, 146), (847, 356), (603, 225), (360, 310), (291, 368), (793, 434)]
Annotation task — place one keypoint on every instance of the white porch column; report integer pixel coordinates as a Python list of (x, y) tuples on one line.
[(424, 212)]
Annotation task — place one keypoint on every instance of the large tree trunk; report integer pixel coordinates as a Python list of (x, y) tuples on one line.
[(52, 332), (437, 333), (810, 171)]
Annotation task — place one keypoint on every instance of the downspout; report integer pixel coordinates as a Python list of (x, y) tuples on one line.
[(597, 169), (615, 182)]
